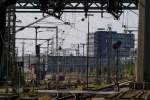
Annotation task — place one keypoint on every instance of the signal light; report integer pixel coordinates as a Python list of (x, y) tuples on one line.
[(117, 45)]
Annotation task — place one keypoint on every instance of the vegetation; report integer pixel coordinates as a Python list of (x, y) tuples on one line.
[(45, 97), (92, 86), (129, 70), (28, 92)]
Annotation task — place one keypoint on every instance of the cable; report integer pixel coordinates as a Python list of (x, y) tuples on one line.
[(42, 42), (22, 28), (134, 12)]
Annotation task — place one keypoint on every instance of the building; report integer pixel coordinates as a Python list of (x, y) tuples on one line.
[(101, 44), (61, 64), (69, 63)]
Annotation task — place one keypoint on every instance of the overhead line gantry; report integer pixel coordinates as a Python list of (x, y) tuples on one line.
[(58, 7)]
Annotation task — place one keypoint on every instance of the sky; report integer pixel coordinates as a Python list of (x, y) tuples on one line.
[(75, 33)]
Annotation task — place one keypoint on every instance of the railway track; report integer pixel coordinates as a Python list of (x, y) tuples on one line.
[(85, 94)]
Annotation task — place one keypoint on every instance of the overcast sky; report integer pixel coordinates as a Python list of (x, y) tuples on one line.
[(74, 34)]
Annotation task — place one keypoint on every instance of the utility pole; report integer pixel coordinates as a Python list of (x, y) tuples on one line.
[(57, 58), (37, 51), (48, 46), (57, 51), (23, 48), (36, 32), (57, 41), (88, 38), (88, 53), (52, 48), (47, 55), (109, 44), (57, 62)]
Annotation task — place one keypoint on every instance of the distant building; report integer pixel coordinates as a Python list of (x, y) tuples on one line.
[(69, 63), (101, 43)]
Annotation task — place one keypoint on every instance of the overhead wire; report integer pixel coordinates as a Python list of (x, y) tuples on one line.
[(134, 12), (38, 20), (31, 44)]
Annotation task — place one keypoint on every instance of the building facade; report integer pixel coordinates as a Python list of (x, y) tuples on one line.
[(69, 63), (101, 44), (57, 64)]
